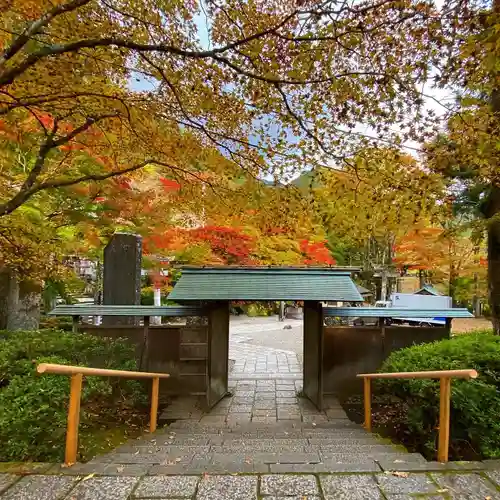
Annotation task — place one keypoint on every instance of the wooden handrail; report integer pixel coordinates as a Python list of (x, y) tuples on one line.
[(444, 377), (429, 374), (77, 373), (99, 372)]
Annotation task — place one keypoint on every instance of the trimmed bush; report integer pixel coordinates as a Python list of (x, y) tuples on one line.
[(475, 404), (33, 408)]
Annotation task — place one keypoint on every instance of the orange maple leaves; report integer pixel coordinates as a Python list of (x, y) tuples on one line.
[(169, 184), (316, 253), (230, 245)]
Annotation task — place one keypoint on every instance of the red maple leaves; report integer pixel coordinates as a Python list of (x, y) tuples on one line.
[(230, 244), (316, 253), (169, 185)]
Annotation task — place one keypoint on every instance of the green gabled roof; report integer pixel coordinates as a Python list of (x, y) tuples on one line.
[(321, 284), (428, 290)]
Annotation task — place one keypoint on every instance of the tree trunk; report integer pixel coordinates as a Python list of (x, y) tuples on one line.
[(494, 256), (383, 286), (24, 313), (421, 278), (493, 214), (4, 297), (19, 303), (476, 303)]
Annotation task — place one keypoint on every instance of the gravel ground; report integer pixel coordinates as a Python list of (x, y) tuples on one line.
[(269, 332), (464, 325)]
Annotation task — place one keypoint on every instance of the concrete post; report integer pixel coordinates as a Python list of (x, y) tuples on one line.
[(156, 320)]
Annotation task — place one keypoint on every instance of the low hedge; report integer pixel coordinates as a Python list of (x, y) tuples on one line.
[(475, 404), (33, 408)]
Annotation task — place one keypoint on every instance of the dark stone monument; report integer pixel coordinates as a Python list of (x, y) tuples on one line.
[(122, 275)]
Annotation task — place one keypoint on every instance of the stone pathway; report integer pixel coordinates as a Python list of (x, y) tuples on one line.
[(265, 442), (253, 362), (263, 427), (453, 485), (264, 381), (259, 401)]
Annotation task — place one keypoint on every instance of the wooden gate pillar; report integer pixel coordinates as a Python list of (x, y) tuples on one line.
[(313, 352), (218, 352)]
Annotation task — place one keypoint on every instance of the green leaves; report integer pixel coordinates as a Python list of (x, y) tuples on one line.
[(34, 408), (474, 403)]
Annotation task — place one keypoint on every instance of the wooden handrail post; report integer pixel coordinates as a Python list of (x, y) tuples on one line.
[(444, 418), (368, 403), (73, 419), (155, 389), (444, 377)]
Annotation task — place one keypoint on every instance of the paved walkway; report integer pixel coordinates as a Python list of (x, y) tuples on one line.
[(258, 362), (471, 485), (269, 332), (265, 381), (265, 442)]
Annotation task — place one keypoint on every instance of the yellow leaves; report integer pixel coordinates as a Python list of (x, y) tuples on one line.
[(25, 9), (378, 192)]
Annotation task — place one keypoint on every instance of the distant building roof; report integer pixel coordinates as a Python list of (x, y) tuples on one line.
[(427, 290)]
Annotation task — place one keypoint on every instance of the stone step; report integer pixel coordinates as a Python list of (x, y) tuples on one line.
[(173, 437), (280, 462), (259, 431), (342, 456), (282, 425), (368, 449), (264, 457), (185, 440), (197, 438), (223, 444), (274, 462), (180, 458), (165, 450), (392, 456), (272, 454), (304, 440), (299, 446)]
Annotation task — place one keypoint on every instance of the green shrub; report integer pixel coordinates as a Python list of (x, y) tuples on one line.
[(33, 408), (56, 323), (259, 309), (475, 404), (147, 296)]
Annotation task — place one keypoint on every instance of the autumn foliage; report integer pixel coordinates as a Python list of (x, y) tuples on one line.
[(231, 246), (316, 253)]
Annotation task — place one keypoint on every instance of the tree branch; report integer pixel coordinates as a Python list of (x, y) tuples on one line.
[(8, 76), (36, 26), (92, 177), (36, 100), (300, 122), (30, 186)]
